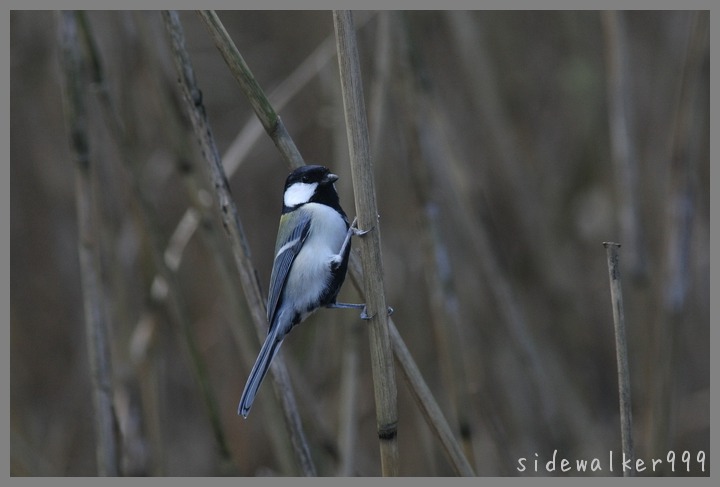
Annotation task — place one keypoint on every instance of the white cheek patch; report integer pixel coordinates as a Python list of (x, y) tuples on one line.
[(299, 193)]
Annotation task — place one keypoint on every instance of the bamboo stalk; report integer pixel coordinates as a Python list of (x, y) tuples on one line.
[(96, 326), (236, 235), (367, 214), (622, 356)]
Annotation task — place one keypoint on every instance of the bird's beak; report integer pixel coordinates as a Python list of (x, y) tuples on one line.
[(331, 178)]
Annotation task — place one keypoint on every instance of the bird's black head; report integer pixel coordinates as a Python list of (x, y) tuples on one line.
[(310, 184)]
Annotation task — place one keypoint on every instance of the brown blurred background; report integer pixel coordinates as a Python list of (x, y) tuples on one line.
[(500, 167)]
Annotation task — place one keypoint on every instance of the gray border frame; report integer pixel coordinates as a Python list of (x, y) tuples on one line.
[(366, 4)]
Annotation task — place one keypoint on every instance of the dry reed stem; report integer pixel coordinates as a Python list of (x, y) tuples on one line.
[(680, 211), (242, 330), (205, 222), (622, 142), (165, 288), (236, 235), (485, 95), (367, 215), (621, 353), (263, 109), (96, 326), (347, 434), (415, 380), (424, 150)]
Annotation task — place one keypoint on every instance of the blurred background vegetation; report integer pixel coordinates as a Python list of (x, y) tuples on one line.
[(507, 147)]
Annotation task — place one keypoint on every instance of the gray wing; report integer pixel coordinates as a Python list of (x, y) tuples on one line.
[(289, 242)]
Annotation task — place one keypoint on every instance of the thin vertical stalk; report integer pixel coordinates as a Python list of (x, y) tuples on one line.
[(538, 365), (200, 217), (149, 369), (429, 407), (538, 362), (494, 118), (236, 234), (622, 356), (242, 330), (366, 205), (349, 410), (679, 236), (347, 435), (621, 140), (381, 82), (96, 326), (166, 287), (443, 300)]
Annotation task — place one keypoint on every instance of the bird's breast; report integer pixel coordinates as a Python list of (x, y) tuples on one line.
[(311, 271)]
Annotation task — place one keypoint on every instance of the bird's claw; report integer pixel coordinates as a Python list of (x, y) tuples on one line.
[(356, 231), (366, 317)]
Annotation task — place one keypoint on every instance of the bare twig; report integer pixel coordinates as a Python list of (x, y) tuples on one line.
[(96, 326), (366, 206), (233, 227), (622, 356)]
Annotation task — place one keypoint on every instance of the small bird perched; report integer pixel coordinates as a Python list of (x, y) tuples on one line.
[(311, 258)]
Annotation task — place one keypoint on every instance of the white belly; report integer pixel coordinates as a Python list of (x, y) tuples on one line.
[(310, 272)]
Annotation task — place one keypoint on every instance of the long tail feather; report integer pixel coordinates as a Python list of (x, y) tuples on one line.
[(262, 364)]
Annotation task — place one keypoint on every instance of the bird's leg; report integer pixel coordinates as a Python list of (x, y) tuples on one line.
[(352, 230), (363, 314), (345, 306)]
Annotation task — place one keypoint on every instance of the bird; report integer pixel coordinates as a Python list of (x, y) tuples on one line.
[(311, 259)]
